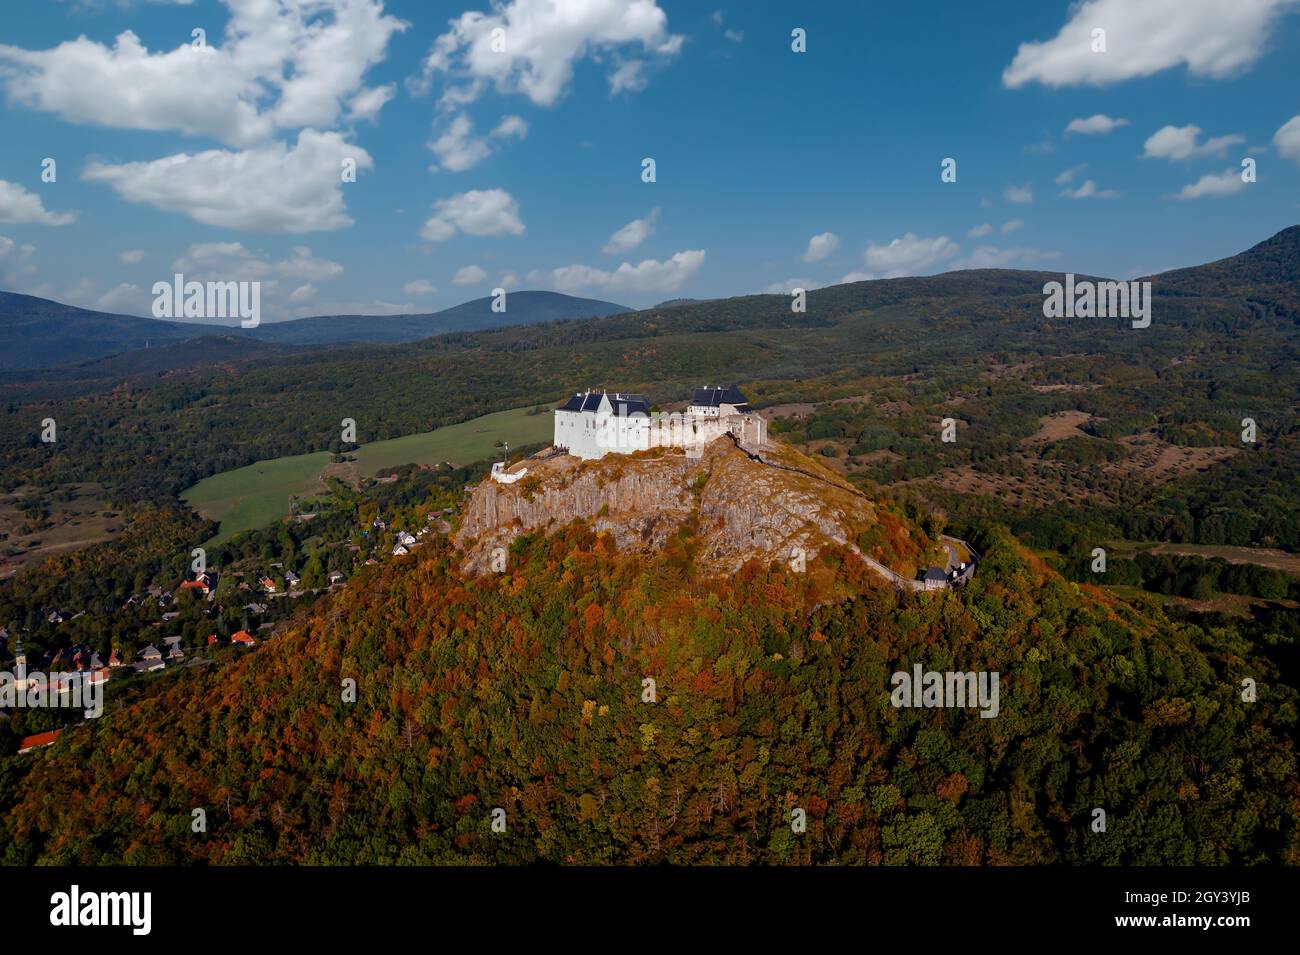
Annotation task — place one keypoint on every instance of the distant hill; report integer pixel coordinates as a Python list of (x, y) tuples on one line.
[(1269, 270), (38, 333), (218, 352), (522, 308)]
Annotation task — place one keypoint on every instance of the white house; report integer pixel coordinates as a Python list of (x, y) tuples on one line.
[(592, 424), (714, 402)]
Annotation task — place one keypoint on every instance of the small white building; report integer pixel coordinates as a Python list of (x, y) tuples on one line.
[(717, 402), (502, 476)]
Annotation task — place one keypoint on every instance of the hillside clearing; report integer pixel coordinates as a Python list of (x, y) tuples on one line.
[(259, 494)]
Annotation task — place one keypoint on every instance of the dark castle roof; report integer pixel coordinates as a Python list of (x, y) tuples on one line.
[(713, 397), (624, 405)]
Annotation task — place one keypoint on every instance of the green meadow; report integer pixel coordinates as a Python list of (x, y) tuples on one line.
[(256, 495), (259, 494), (461, 444)]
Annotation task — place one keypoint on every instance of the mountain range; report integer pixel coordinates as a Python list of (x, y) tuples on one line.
[(39, 333)]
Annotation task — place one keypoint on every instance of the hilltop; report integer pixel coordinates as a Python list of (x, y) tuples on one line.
[(1267, 270), (771, 506)]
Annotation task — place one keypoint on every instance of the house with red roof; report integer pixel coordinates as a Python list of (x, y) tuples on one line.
[(37, 740)]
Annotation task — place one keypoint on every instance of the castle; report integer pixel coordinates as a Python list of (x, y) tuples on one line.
[(593, 424)]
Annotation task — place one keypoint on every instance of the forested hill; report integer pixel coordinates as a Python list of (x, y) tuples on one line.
[(1270, 269), (38, 333), (524, 692), (520, 308)]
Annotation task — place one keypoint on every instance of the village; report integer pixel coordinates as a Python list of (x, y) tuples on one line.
[(193, 617)]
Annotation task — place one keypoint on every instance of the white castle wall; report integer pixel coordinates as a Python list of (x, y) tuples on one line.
[(590, 435)]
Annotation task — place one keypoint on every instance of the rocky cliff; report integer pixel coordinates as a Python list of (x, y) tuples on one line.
[(741, 505)]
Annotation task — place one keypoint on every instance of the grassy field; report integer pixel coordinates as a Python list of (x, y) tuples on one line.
[(460, 444), (256, 495), (1263, 556), (259, 494)]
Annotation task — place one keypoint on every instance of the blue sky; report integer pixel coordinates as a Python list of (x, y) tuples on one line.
[(520, 164)]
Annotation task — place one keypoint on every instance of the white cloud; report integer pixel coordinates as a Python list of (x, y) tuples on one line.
[(374, 307), (629, 76), (649, 275), (132, 256), (1089, 190), (419, 287), (1214, 38), (789, 285), (125, 298), (477, 212), (510, 126), (820, 246), (303, 293), (272, 188), (365, 106), (1020, 195), (632, 235), (279, 65), (14, 262), (910, 255), (1011, 225), (1068, 175), (468, 275), (1214, 186), (1287, 139), (20, 207), (231, 261), (735, 36), (1181, 142), (538, 43), (459, 149), (1100, 124), (982, 229), (992, 257), (855, 277), (303, 265)]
